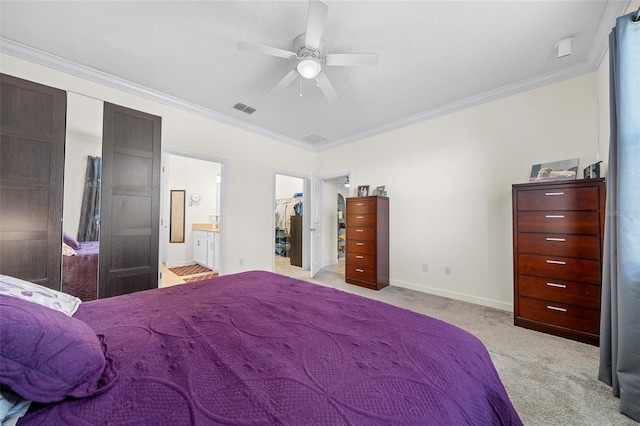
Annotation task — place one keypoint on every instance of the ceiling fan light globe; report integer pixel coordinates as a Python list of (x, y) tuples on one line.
[(309, 68)]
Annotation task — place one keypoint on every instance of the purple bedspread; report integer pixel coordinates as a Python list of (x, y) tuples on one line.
[(80, 272), (260, 348)]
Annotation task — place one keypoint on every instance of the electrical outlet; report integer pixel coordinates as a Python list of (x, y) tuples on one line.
[(447, 270), (241, 261), (425, 267)]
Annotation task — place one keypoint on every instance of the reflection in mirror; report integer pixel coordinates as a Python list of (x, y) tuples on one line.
[(81, 208)]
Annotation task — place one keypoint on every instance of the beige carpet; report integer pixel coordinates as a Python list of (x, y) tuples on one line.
[(550, 380)]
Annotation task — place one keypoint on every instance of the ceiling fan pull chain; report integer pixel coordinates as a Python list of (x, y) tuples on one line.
[(300, 78)]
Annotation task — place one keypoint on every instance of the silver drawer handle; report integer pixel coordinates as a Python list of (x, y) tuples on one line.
[(360, 270), (359, 230), (555, 308), (553, 193), (359, 217), (556, 285), (359, 204), (556, 262), (554, 216), (556, 239), (359, 257), (359, 244)]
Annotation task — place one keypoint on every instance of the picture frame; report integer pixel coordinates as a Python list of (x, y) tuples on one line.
[(592, 171), (555, 170), (380, 191), (363, 191)]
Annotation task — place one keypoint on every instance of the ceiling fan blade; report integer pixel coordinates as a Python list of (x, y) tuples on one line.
[(325, 85), (351, 59), (286, 80), (318, 11), (266, 50)]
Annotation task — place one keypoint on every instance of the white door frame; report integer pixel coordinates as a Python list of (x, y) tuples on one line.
[(315, 244), (323, 228), (223, 204), (306, 219)]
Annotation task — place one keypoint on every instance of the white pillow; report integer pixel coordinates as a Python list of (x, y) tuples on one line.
[(12, 407), (67, 250), (25, 290)]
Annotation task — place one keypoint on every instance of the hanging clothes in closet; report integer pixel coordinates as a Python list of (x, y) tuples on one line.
[(285, 208)]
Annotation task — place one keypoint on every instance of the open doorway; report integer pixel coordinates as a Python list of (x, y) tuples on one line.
[(335, 190), (191, 223), (325, 230), (290, 250)]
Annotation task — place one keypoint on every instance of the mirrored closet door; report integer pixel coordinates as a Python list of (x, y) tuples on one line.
[(82, 188)]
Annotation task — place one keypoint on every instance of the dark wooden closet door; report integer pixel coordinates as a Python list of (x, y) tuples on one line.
[(32, 133), (129, 235)]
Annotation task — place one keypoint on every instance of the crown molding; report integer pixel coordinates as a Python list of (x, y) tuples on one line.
[(37, 56), (596, 52), (472, 101), (598, 48)]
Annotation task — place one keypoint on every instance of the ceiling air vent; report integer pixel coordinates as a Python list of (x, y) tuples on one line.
[(314, 138), (244, 108)]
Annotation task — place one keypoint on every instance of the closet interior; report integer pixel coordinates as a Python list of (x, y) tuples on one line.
[(288, 220), (288, 238)]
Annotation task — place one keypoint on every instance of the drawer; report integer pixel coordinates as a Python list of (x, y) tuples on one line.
[(361, 206), (361, 247), (360, 274), (560, 222), (566, 245), (585, 198), (567, 292), (360, 260), (569, 316), (361, 234), (361, 220), (561, 268)]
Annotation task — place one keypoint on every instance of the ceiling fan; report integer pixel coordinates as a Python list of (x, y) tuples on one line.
[(307, 52)]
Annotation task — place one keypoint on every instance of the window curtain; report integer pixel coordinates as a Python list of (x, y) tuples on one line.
[(89, 228), (620, 318)]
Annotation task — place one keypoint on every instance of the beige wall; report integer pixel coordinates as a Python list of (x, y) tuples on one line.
[(449, 182)]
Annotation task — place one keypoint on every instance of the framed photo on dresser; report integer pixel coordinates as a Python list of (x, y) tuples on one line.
[(556, 170), (363, 190)]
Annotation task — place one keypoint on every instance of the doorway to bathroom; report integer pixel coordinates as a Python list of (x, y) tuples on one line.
[(191, 224)]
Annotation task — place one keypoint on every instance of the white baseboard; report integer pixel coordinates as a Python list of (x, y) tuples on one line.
[(455, 295)]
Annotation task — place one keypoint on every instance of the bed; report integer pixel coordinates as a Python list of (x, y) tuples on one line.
[(260, 348), (80, 271)]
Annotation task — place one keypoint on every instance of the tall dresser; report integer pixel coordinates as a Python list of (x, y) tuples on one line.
[(367, 242), (557, 249)]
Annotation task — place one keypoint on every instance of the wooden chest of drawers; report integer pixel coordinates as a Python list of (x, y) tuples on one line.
[(367, 247), (557, 255)]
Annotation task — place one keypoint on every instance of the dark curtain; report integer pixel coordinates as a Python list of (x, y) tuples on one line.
[(620, 321), (89, 229)]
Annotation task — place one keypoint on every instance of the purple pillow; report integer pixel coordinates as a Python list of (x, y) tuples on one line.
[(46, 356), (70, 241)]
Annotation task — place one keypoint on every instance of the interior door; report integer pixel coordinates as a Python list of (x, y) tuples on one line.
[(130, 215), (316, 214), (32, 134)]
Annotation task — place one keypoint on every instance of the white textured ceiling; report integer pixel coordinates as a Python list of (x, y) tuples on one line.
[(435, 56)]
